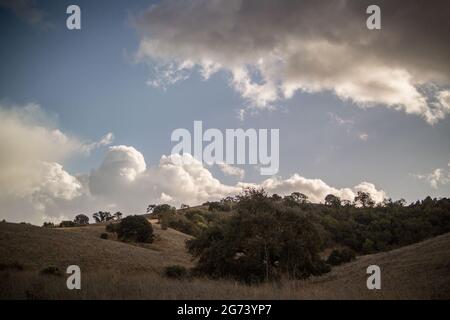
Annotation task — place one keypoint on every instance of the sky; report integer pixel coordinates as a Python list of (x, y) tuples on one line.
[(86, 116)]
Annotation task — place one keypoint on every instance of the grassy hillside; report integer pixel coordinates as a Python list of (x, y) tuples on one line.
[(37, 248), (111, 269)]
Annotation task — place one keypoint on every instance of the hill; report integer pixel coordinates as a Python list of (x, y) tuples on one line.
[(111, 269)]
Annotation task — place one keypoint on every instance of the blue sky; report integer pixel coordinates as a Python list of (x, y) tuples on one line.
[(89, 82)]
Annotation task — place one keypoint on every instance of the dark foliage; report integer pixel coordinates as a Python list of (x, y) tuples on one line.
[(48, 225), (67, 224), (341, 256), (52, 271), (81, 220), (102, 216), (191, 221), (260, 242), (369, 229), (104, 236), (112, 227), (135, 229), (264, 237), (176, 272)]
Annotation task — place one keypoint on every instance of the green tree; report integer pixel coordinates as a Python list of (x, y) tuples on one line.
[(259, 243), (332, 201), (81, 219), (136, 229), (364, 199), (102, 216), (118, 216)]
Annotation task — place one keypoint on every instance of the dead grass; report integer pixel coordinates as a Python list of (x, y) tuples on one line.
[(114, 270)]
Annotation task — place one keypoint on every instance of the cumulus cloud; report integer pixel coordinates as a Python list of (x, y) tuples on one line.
[(438, 177), (27, 142), (230, 170), (32, 151), (35, 186), (124, 182), (271, 49), (315, 189)]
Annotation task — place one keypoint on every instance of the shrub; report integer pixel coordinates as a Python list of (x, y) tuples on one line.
[(53, 271), (67, 224), (338, 257), (176, 272), (48, 225), (104, 236), (135, 229), (262, 241), (182, 224), (112, 227), (162, 208), (164, 220)]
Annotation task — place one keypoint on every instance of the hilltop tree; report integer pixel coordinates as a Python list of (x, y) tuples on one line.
[(295, 199), (276, 197), (102, 216), (118, 216), (364, 199), (48, 225), (262, 241), (299, 197), (136, 229), (81, 219), (162, 208), (150, 208), (332, 201)]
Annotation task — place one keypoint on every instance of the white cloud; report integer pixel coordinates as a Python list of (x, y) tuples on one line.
[(230, 170), (271, 49), (436, 178), (54, 183), (315, 189), (363, 136), (35, 186), (27, 141), (106, 140), (347, 123), (123, 182)]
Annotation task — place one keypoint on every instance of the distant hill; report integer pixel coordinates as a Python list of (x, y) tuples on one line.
[(111, 269)]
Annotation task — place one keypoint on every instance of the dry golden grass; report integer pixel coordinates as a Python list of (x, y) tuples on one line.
[(115, 270)]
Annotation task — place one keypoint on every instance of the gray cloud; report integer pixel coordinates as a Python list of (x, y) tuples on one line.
[(271, 49)]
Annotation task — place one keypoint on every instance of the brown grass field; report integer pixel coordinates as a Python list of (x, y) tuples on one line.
[(116, 270)]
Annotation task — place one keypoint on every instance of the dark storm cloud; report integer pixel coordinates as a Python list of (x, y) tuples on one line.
[(274, 48)]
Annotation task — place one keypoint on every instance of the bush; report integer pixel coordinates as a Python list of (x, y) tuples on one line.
[(262, 241), (67, 224), (135, 229), (104, 236), (176, 272), (48, 225), (164, 220), (338, 257), (53, 271), (112, 227)]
